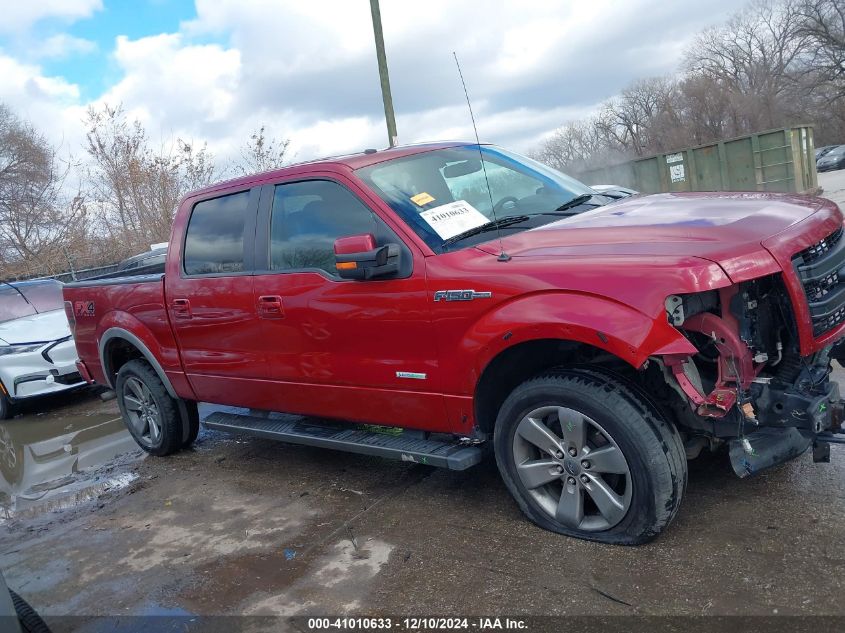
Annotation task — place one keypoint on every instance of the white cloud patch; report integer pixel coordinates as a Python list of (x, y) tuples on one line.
[(62, 45), (308, 71), (20, 15), (51, 104), (173, 86)]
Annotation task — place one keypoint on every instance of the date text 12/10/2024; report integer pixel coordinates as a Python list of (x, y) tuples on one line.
[(417, 624)]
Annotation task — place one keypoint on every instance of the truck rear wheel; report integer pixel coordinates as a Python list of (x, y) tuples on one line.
[(189, 413), (149, 412), (587, 456), (5, 407)]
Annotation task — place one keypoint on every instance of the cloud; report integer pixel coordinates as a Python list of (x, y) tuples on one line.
[(308, 71), (49, 103), (173, 86), (62, 45), (20, 15)]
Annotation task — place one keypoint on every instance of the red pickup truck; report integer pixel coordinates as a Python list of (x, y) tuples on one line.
[(421, 301)]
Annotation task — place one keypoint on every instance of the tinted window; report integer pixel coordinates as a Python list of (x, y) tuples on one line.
[(43, 295), (215, 238), (308, 217), (24, 299)]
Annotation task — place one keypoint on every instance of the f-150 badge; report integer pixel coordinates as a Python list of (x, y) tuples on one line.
[(460, 295)]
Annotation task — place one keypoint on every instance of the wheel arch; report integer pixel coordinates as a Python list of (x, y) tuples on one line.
[(117, 346), (515, 364), (544, 331)]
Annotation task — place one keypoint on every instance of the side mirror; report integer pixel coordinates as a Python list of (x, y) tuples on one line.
[(358, 257)]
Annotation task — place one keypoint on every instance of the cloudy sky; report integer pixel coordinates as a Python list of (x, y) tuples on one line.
[(215, 70)]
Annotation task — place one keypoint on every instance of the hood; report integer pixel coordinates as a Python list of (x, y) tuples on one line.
[(726, 228), (35, 328)]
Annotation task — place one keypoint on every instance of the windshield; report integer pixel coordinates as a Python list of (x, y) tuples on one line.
[(442, 193), (25, 298)]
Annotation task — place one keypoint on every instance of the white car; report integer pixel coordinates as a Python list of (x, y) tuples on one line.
[(37, 354)]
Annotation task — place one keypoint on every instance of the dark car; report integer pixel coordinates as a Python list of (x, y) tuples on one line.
[(822, 151), (154, 257), (833, 160)]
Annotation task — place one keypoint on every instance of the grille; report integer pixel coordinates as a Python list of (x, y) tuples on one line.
[(821, 268), (820, 249)]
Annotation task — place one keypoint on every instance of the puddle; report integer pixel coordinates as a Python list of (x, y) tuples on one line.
[(52, 457)]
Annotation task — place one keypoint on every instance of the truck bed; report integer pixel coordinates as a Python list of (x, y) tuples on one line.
[(134, 303)]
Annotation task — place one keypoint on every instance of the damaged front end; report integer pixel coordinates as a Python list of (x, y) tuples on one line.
[(749, 385)]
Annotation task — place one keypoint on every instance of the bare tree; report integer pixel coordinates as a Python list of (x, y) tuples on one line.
[(822, 24), (40, 217), (755, 56), (137, 190), (632, 120), (774, 63), (262, 153)]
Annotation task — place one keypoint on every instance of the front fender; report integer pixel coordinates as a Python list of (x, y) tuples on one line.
[(597, 321)]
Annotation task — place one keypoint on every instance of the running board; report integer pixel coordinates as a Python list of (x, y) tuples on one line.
[(297, 430)]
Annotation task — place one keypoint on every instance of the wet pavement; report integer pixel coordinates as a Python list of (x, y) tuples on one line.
[(833, 184), (240, 525), (53, 452)]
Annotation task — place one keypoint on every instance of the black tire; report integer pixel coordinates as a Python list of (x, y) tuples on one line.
[(170, 434), (190, 422), (619, 414), (11, 456), (29, 620), (6, 409), (838, 353)]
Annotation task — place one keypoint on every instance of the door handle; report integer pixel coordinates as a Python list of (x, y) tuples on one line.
[(181, 308), (270, 307)]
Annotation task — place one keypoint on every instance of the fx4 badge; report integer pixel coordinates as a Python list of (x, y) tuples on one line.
[(83, 308), (460, 295)]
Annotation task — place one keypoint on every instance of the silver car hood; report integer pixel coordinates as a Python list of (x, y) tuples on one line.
[(35, 328)]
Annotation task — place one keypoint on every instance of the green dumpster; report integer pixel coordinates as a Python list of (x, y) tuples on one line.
[(775, 160)]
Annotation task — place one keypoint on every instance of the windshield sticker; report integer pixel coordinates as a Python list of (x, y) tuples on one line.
[(453, 218), (422, 199)]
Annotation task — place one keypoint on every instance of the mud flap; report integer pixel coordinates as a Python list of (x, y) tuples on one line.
[(765, 448)]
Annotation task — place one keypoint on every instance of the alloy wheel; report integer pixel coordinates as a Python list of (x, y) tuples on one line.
[(572, 468), (142, 411)]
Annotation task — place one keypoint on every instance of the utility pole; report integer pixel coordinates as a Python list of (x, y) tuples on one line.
[(382, 72)]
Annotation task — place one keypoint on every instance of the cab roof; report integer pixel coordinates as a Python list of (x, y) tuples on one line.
[(352, 161)]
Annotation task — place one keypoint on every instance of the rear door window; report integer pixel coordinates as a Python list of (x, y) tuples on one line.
[(214, 242)]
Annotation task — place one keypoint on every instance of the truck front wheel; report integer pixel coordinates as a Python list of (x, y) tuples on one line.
[(587, 456), (149, 412)]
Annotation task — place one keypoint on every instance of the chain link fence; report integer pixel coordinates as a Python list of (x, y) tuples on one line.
[(73, 273)]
